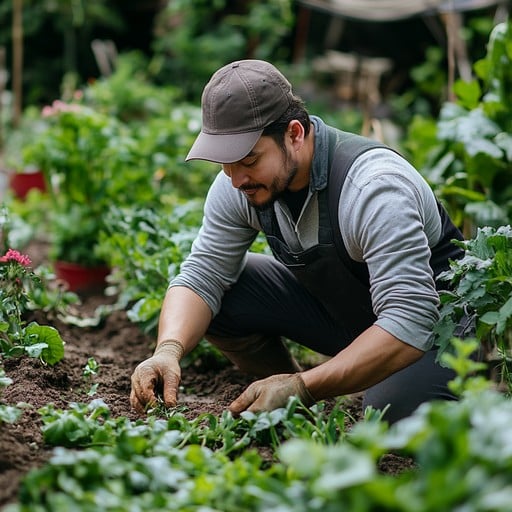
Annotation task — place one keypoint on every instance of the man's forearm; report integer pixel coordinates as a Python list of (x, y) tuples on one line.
[(184, 317), (369, 359)]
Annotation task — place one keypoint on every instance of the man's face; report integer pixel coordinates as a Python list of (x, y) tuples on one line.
[(264, 174)]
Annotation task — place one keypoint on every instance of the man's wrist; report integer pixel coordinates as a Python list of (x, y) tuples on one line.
[(305, 395), (170, 346)]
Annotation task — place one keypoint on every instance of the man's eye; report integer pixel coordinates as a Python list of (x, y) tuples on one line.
[(250, 163)]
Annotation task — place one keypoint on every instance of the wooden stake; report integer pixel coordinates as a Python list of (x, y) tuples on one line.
[(3, 81), (17, 61)]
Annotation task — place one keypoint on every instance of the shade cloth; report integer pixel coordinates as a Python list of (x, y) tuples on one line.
[(389, 10)]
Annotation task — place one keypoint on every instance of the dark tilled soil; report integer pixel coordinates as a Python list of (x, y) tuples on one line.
[(118, 346)]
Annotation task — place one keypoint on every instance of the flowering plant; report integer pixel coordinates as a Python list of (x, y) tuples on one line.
[(17, 283)]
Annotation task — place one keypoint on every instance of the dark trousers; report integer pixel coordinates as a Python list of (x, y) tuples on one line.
[(268, 299)]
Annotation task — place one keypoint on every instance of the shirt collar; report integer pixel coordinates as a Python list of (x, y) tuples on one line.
[(319, 170)]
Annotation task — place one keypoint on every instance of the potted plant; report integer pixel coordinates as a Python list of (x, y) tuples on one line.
[(90, 163), (22, 178)]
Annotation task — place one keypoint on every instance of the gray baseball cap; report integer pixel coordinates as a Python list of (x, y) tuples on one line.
[(238, 102)]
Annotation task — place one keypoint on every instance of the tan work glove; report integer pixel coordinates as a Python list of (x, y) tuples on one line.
[(160, 374), (272, 393)]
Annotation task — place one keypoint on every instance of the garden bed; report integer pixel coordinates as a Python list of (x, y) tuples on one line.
[(117, 345)]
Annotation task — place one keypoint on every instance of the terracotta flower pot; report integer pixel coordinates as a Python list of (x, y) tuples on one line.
[(82, 279), (21, 183)]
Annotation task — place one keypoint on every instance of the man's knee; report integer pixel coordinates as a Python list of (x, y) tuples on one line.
[(259, 355), (403, 392)]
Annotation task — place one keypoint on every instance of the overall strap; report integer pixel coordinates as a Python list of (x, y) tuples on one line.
[(347, 147)]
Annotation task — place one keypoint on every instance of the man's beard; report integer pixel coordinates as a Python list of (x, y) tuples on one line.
[(277, 187)]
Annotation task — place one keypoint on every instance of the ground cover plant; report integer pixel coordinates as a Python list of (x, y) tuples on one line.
[(97, 456)]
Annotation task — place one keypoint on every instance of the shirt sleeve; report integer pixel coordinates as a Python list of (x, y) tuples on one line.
[(389, 219), (219, 251)]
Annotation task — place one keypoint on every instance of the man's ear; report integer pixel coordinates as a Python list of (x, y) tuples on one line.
[(295, 134)]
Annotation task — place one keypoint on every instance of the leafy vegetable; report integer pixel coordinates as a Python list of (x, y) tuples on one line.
[(481, 292)]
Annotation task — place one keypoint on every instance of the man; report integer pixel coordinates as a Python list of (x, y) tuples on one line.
[(355, 281)]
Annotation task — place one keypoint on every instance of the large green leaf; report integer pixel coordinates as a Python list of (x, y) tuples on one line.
[(468, 93), (49, 335)]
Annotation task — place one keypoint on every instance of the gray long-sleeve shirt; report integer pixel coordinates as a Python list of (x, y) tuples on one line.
[(388, 218)]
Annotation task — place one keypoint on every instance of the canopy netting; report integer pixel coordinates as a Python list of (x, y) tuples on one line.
[(389, 10)]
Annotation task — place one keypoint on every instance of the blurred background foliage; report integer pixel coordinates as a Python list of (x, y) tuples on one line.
[(184, 41), (145, 61)]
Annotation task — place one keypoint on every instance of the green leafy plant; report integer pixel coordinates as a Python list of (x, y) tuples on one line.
[(194, 38), (207, 463), (467, 154), (87, 159), (163, 143), (80, 425), (89, 371), (481, 292), (129, 93), (468, 371), (146, 248), (83, 425), (16, 338), (298, 422), (213, 463)]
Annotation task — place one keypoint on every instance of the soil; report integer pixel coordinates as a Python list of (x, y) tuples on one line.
[(118, 345)]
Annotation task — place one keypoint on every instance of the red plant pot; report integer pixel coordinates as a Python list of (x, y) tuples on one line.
[(21, 183), (82, 279)]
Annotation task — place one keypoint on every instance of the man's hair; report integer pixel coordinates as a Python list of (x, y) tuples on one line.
[(297, 110)]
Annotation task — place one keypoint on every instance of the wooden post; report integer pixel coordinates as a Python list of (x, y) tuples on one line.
[(456, 50), (3, 82), (17, 61), (301, 34)]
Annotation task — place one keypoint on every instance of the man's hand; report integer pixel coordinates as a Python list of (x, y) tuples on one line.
[(161, 373), (272, 393)]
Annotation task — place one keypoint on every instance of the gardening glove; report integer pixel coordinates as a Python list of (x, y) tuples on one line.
[(160, 374), (272, 393)]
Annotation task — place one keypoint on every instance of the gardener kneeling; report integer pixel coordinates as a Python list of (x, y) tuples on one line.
[(357, 238)]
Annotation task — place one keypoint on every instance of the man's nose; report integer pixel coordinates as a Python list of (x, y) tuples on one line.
[(237, 174)]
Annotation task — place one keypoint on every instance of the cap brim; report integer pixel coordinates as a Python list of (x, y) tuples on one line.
[(223, 149)]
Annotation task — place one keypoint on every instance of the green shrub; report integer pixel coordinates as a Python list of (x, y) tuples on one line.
[(467, 154)]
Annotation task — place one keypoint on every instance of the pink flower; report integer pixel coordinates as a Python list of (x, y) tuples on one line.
[(13, 255), (47, 111), (59, 106)]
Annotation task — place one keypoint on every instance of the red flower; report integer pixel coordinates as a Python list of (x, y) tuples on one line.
[(13, 255)]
